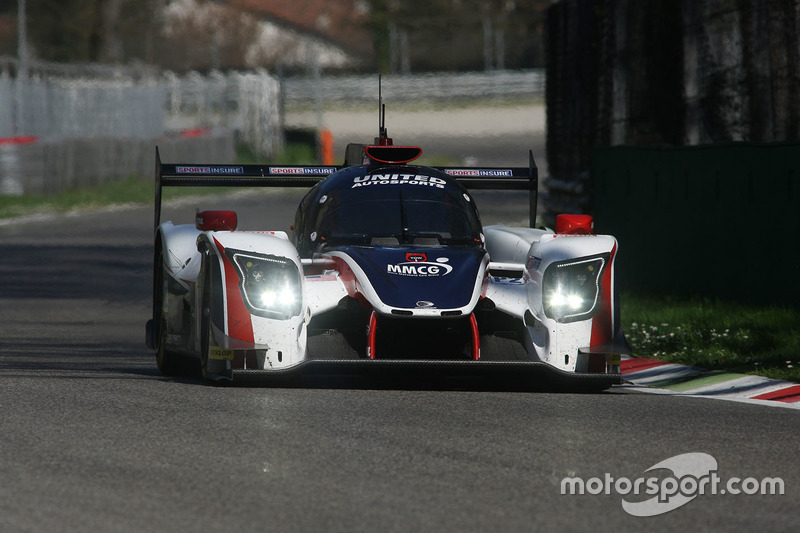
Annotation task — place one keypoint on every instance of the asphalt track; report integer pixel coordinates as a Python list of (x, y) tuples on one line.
[(92, 438)]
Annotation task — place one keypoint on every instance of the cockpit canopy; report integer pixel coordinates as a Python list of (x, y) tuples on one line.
[(390, 206)]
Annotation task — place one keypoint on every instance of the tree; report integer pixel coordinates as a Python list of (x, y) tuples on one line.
[(457, 34)]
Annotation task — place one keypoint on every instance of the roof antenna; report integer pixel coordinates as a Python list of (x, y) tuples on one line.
[(383, 138)]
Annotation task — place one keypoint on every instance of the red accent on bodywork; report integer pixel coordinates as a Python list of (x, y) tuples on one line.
[(392, 154), (603, 321), (240, 325), (574, 224), (373, 323), (476, 338), (348, 277), (216, 220)]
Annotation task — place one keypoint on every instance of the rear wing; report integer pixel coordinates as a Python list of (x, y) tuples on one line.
[(191, 175), (505, 178)]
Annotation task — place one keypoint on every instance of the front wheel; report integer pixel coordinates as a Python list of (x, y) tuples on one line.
[(169, 363), (213, 370)]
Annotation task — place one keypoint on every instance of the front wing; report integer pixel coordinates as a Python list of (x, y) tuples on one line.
[(415, 373)]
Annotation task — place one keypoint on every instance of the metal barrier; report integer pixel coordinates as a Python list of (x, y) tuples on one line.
[(86, 124), (247, 102), (75, 111), (415, 87), (81, 102), (81, 108)]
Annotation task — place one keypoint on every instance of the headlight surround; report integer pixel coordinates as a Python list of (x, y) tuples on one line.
[(571, 289), (270, 284)]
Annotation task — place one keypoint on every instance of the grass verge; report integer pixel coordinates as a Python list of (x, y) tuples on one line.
[(132, 190), (716, 335), (129, 190)]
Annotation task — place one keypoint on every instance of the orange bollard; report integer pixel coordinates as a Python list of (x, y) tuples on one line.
[(326, 147)]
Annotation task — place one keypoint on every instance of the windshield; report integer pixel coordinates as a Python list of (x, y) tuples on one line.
[(394, 215)]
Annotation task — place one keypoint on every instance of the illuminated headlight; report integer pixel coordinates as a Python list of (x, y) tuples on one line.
[(270, 285), (571, 289)]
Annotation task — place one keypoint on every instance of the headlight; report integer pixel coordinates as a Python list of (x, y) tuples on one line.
[(270, 285), (571, 289)]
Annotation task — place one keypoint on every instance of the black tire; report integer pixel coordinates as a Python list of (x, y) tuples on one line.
[(205, 342), (214, 372), (169, 363)]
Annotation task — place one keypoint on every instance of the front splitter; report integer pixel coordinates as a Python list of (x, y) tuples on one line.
[(426, 373)]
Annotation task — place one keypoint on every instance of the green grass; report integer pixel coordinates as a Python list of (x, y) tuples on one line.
[(293, 154), (716, 335), (129, 190), (133, 189)]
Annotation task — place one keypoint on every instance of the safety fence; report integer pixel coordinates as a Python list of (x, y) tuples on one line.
[(48, 166), (437, 86), (86, 107), (246, 102), (57, 122)]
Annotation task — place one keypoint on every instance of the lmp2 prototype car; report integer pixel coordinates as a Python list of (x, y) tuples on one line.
[(388, 269)]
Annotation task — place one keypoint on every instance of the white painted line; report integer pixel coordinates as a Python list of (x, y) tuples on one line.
[(661, 373)]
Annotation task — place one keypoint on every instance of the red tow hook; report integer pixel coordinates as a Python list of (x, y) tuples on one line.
[(476, 339), (373, 323)]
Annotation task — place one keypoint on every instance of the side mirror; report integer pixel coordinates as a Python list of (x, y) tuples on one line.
[(216, 220)]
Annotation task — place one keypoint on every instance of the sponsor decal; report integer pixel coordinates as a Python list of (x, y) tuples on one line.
[(221, 354), (481, 172), (209, 170), (418, 266), (398, 179), (308, 171)]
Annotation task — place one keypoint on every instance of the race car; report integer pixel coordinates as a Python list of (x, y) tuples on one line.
[(388, 270)]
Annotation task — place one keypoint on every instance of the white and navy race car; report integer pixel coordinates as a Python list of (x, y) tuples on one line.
[(388, 271)]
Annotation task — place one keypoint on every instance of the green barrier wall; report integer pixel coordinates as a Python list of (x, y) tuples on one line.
[(720, 221)]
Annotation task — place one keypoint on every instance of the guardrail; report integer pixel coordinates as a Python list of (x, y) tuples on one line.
[(413, 87)]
